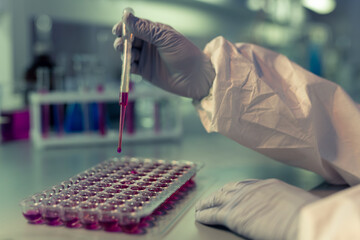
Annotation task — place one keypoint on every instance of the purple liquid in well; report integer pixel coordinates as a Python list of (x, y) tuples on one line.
[(150, 179), (155, 189), (142, 184), (116, 202), (109, 225), (142, 199), (124, 197), (127, 182), (32, 216), (120, 186), (113, 190), (161, 185), (132, 228), (165, 180), (137, 188), (90, 225), (52, 220), (73, 223), (149, 194), (123, 101), (131, 192), (89, 220), (154, 176), (135, 178)]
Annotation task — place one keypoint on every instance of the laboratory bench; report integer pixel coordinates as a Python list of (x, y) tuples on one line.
[(25, 170)]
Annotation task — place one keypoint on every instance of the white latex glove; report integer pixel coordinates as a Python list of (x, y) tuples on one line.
[(257, 209), (167, 59)]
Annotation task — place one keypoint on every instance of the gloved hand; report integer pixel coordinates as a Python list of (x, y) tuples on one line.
[(167, 59), (258, 209)]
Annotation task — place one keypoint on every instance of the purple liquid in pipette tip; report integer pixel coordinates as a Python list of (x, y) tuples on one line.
[(123, 100)]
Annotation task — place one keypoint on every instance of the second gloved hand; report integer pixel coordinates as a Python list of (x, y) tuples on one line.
[(167, 59), (258, 209)]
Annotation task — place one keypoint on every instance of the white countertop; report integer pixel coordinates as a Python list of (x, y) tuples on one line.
[(25, 170)]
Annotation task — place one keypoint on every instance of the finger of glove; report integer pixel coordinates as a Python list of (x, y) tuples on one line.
[(134, 68), (117, 29), (232, 186), (213, 200), (216, 199), (119, 41), (223, 195), (135, 55), (119, 46), (145, 29), (211, 216)]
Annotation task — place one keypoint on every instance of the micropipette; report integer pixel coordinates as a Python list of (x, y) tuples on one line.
[(127, 37)]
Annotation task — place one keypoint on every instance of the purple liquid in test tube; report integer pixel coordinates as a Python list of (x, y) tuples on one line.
[(59, 108), (45, 111)]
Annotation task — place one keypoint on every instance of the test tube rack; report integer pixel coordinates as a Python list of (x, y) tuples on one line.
[(37, 100)]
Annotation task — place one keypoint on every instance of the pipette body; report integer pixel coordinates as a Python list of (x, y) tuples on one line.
[(128, 38)]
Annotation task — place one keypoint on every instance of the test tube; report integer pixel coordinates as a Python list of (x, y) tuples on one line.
[(125, 74), (43, 87), (58, 111)]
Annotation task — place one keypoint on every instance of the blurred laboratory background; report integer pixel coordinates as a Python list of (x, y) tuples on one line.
[(59, 94), (60, 74)]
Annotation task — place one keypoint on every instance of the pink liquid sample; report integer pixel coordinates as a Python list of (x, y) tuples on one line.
[(91, 225), (45, 109), (123, 101), (52, 220), (110, 225), (33, 216), (134, 228), (72, 223)]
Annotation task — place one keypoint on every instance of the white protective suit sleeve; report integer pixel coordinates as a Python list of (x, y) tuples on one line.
[(268, 103), (335, 217)]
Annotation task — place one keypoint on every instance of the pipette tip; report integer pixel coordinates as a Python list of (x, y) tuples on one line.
[(119, 149)]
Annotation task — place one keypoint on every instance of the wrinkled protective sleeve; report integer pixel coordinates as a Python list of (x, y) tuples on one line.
[(332, 218), (268, 103)]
